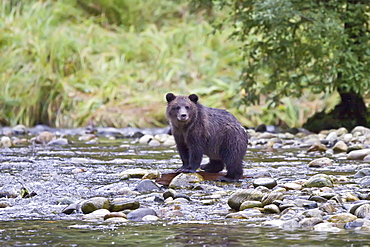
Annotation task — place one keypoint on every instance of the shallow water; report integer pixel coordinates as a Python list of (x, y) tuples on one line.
[(61, 175), (77, 233)]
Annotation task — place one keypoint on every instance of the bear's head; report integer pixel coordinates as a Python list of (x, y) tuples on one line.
[(181, 109)]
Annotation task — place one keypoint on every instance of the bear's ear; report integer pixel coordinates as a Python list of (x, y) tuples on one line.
[(193, 97), (170, 97)]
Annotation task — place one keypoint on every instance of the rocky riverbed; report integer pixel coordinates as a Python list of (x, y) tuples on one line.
[(292, 179)]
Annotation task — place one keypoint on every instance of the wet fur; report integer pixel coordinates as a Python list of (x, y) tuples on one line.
[(210, 131)]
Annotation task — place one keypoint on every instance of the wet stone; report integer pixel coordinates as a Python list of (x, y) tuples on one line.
[(365, 182), (93, 204), (321, 162), (97, 215), (147, 185), (319, 180), (362, 173), (271, 209), (185, 180), (363, 211), (311, 221), (326, 227), (340, 146), (115, 214), (242, 195), (120, 204), (271, 197), (266, 182), (250, 204), (138, 214), (71, 208), (342, 218), (358, 154)]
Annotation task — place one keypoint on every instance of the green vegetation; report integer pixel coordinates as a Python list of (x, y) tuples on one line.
[(64, 63), (292, 45)]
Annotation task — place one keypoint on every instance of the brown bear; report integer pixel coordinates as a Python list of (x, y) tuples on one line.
[(199, 130)]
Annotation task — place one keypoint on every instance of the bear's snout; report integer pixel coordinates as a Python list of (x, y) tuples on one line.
[(182, 116)]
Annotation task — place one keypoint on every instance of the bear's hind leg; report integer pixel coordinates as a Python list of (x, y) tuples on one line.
[(214, 166), (234, 166)]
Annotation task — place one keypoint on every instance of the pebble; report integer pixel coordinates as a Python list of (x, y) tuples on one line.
[(266, 182), (97, 215), (358, 154), (320, 162), (340, 146), (139, 214), (319, 180), (185, 180), (93, 204)]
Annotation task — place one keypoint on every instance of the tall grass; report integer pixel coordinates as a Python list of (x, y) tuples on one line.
[(64, 63)]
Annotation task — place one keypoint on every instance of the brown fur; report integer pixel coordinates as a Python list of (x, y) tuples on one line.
[(202, 130)]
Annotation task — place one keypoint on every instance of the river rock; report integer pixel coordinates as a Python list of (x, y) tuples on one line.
[(363, 211), (362, 173), (250, 204), (44, 137), (115, 214), (317, 147), (138, 214), (71, 208), (342, 131), (341, 218), (242, 195), (154, 143), (169, 141), (320, 162), (340, 146), (120, 204), (292, 186), (270, 198), (5, 142), (150, 218), (245, 214), (147, 185), (332, 136), (326, 227), (19, 130), (93, 204), (313, 213), (365, 182), (267, 182), (185, 180), (172, 193), (151, 175), (358, 154), (310, 221), (356, 205), (162, 137), (328, 207), (271, 209), (360, 130), (145, 139), (133, 173), (58, 141), (319, 180), (97, 215)]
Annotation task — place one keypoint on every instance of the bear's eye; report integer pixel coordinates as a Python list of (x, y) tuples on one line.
[(178, 108), (187, 107)]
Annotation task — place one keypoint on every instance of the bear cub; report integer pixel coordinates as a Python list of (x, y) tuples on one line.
[(199, 130)]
